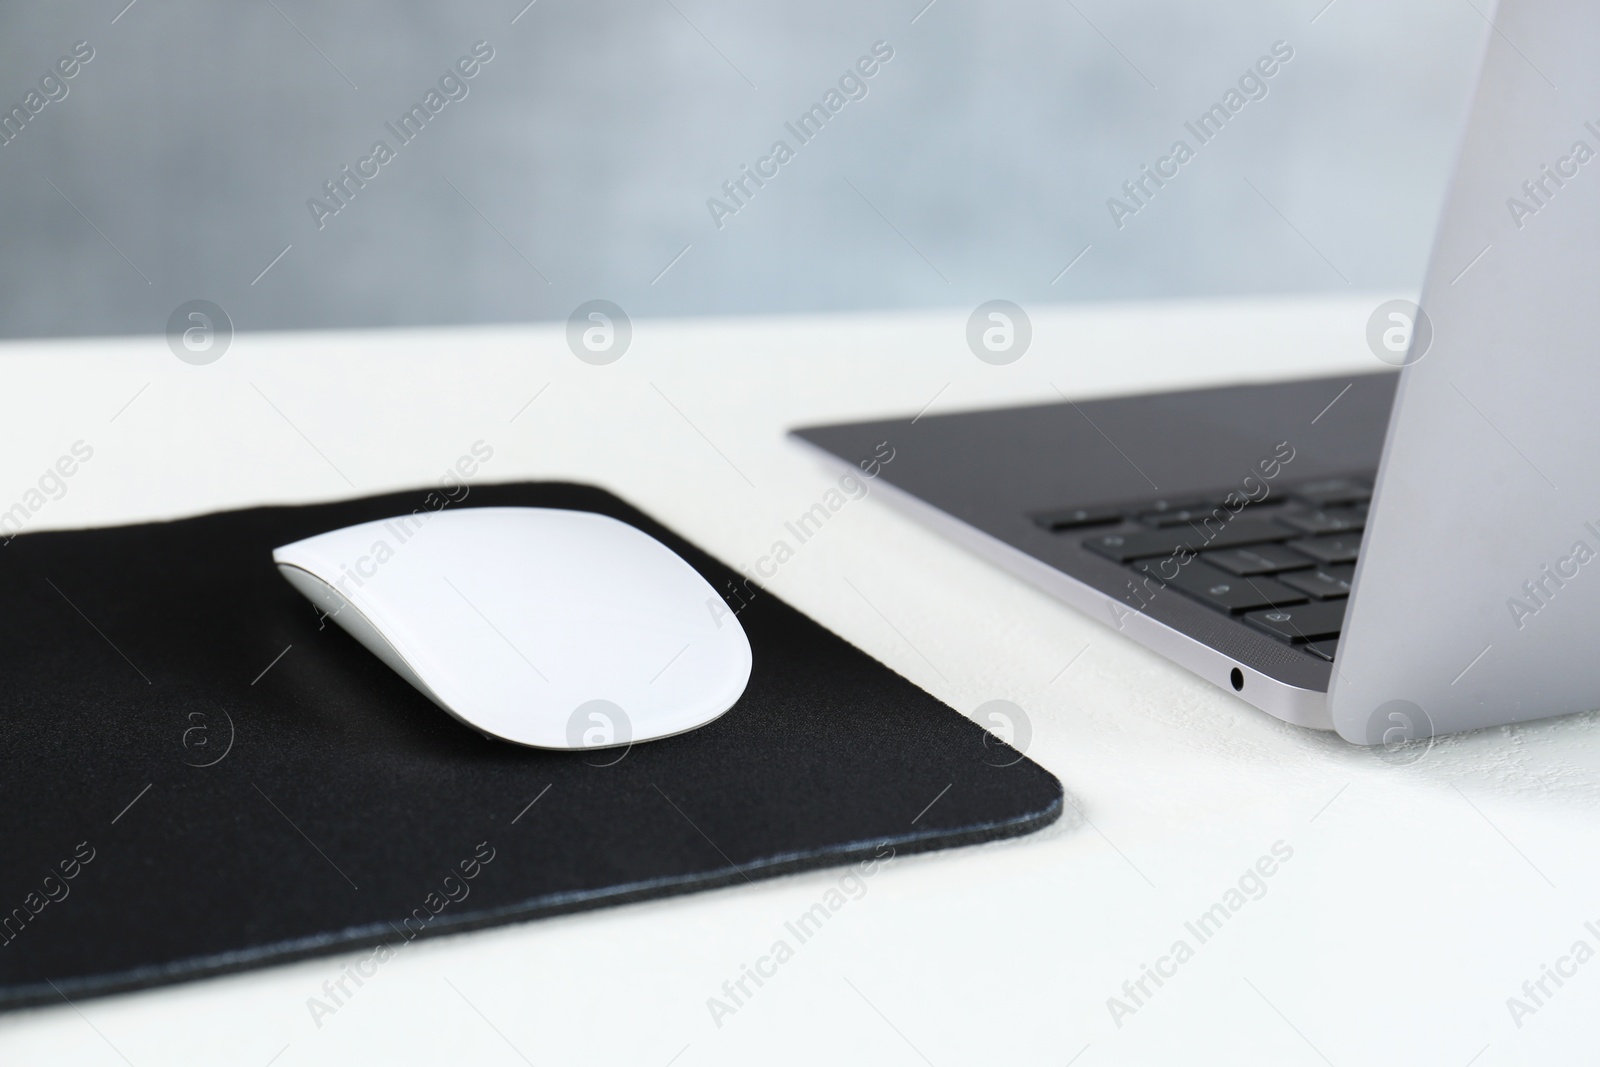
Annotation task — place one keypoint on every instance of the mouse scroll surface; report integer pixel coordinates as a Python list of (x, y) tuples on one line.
[(556, 629)]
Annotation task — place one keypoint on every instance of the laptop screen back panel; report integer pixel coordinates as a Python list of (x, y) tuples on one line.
[(1477, 596)]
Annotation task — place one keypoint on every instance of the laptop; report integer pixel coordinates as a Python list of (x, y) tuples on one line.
[(1391, 555)]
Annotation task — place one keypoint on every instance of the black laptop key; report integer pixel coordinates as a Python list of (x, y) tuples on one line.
[(1331, 521), (1173, 511), (1307, 622), (1163, 507), (1177, 516), (1332, 492), (1339, 549), (1220, 590), (1321, 583), (1074, 518), (1325, 649), (1257, 559), (1197, 537)]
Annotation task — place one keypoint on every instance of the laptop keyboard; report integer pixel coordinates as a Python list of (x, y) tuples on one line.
[(1282, 566)]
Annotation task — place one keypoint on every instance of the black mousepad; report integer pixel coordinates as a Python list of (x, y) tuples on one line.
[(200, 774)]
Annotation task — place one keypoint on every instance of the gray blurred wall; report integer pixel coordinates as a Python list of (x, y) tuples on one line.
[(977, 165)]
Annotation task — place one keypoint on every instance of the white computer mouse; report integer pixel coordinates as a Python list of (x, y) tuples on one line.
[(556, 629)]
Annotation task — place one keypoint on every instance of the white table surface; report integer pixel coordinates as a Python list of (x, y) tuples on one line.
[(1418, 898)]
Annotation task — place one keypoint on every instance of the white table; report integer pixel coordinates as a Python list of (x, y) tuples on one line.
[(1417, 900)]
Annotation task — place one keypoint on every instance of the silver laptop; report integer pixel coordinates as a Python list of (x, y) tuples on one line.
[(1391, 555)]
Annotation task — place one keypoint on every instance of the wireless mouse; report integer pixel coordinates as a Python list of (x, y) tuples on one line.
[(550, 628)]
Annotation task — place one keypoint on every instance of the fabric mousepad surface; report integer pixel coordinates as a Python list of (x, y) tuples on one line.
[(202, 775)]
